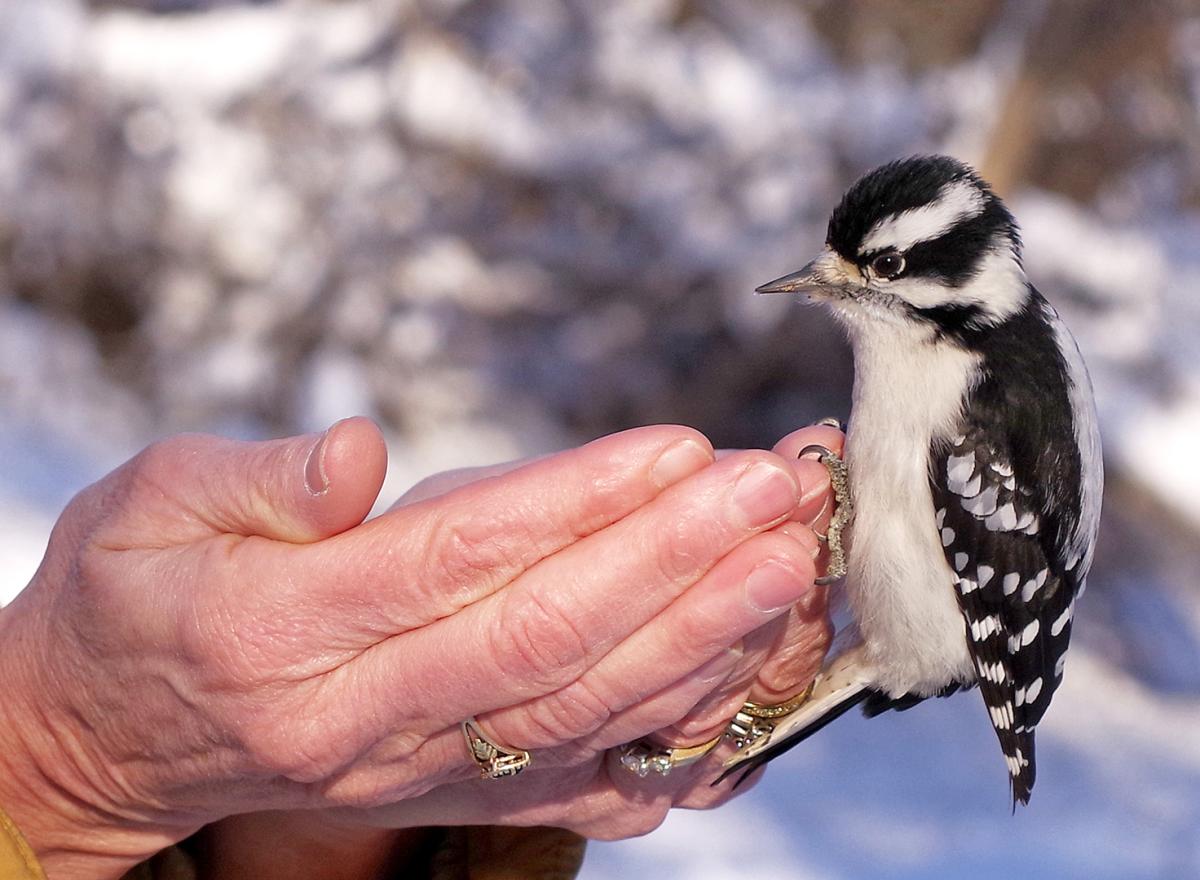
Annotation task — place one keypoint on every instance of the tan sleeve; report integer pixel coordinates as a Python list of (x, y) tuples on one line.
[(17, 861)]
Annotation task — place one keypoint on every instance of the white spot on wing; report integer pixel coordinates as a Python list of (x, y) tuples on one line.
[(1003, 520), (983, 504), (1063, 619), (947, 537), (1010, 583), (984, 573), (999, 718), (959, 469), (992, 672), (1035, 688), (984, 627), (960, 562), (1033, 585), (1024, 637)]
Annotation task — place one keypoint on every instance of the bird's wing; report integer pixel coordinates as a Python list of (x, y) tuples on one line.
[(1015, 594)]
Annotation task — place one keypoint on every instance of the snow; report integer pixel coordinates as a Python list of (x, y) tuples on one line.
[(503, 230)]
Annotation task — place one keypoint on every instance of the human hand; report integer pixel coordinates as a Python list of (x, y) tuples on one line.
[(282, 658), (593, 795)]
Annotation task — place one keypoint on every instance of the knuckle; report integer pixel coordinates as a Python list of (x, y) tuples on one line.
[(700, 632), (471, 551), (536, 642), (390, 775), (709, 720), (276, 748), (569, 714), (680, 553), (94, 572), (159, 462)]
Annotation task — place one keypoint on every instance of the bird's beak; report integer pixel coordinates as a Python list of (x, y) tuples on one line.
[(802, 281), (828, 270)]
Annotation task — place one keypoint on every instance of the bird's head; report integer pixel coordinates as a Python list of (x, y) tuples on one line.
[(921, 239)]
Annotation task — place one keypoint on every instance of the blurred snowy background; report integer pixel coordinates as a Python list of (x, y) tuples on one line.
[(502, 228)]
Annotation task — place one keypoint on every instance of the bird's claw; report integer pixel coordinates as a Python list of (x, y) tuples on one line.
[(839, 481)]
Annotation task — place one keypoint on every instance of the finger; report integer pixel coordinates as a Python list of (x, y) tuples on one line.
[(583, 799), (446, 481), (550, 626), (298, 489), (388, 770), (823, 435), (755, 583), (427, 560), (701, 794), (816, 506), (558, 619), (711, 715), (798, 654), (781, 647)]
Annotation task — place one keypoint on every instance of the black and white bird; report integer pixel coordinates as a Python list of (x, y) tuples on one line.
[(974, 460)]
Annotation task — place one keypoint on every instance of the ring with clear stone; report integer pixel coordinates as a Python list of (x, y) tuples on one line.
[(643, 757)]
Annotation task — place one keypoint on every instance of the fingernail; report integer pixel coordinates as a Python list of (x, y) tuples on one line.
[(814, 479), (773, 585), (315, 479), (718, 668), (681, 459), (802, 535), (763, 494)]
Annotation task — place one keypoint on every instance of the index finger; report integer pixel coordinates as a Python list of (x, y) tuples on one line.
[(427, 560)]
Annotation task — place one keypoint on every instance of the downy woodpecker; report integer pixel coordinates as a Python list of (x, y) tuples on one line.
[(974, 461)]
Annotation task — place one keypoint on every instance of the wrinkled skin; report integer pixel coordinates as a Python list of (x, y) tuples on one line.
[(215, 631)]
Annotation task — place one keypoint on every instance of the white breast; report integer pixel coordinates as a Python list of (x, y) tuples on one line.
[(907, 390)]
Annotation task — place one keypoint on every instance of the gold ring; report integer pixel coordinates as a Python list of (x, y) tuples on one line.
[(756, 720), (494, 760), (642, 757), (778, 710)]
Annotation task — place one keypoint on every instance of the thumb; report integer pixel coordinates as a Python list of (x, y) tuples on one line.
[(298, 489)]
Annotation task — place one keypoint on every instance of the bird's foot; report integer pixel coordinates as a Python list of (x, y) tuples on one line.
[(839, 481)]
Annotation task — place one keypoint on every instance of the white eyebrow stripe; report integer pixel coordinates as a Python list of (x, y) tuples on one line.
[(959, 200)]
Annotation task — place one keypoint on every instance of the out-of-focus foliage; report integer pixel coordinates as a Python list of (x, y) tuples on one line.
[(564, 199), (503, 227), (544, 216)]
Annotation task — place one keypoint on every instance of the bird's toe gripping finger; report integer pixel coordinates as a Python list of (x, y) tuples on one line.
[(840, 483)]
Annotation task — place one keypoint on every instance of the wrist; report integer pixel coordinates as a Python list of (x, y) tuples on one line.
[(45, 788)]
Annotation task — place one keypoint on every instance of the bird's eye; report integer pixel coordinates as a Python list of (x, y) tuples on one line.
[(887, 265)]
